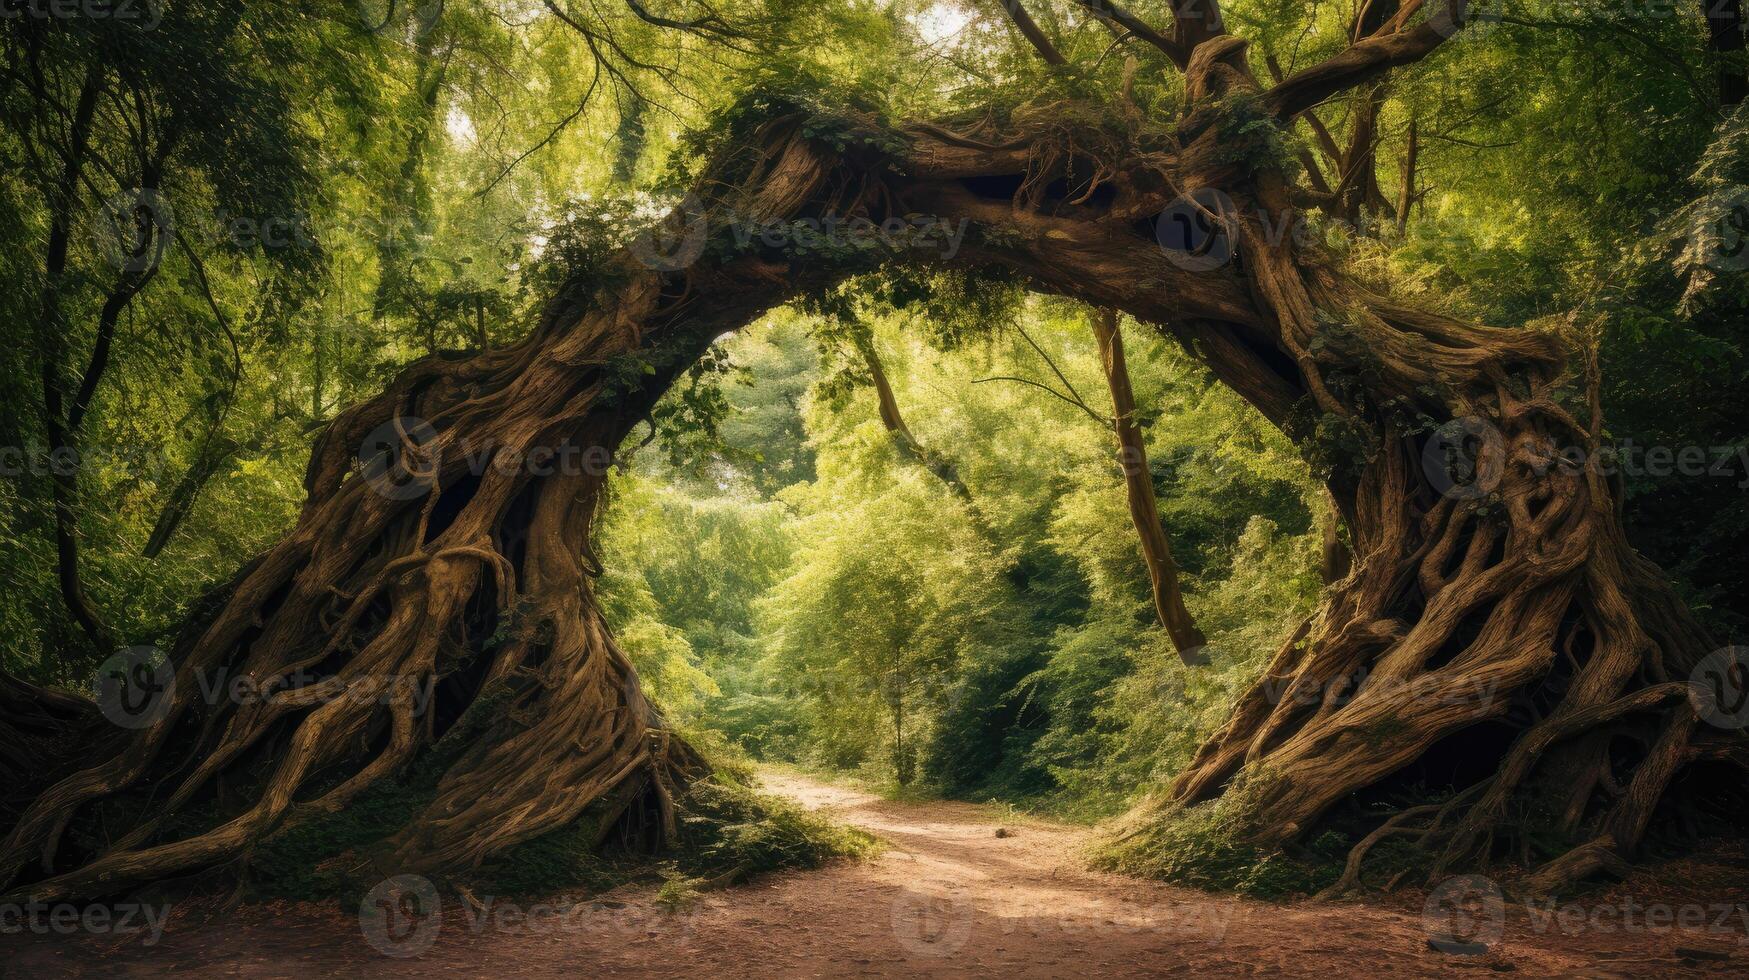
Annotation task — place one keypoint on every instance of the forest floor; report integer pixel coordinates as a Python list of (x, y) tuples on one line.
[(959, 889)]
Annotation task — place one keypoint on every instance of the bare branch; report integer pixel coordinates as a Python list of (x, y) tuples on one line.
[(1095, 416), (1326, 142), (1033, 33), (559, 127), (1050, 364), (710, 25), (1111, 13), (1392, 47)]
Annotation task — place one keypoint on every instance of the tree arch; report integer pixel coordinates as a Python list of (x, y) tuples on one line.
[(456, 548)]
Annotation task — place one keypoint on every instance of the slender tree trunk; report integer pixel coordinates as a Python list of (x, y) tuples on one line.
[(318, 368), (213, 454), (1408, 195), (1359, 189), (903, 769), (894, 421), (1360, 162), (1724, 20), (630, 140), (1034, 35), (51, 330), (1144, 506), (63, 417)]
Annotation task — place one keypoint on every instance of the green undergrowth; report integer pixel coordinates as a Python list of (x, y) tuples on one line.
[(727, 833), (331, 856), (1198, 847), (1203, 847)]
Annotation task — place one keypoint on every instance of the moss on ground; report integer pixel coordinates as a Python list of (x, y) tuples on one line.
[(1198, 846), (734, 827), (728, 833), (328, 857)]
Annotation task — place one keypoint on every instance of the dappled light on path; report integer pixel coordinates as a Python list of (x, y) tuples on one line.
[(959, 890)]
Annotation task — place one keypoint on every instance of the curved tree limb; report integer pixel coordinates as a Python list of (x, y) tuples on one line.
[(1174, 618)]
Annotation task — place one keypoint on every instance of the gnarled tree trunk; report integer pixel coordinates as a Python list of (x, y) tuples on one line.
[(444, 547)]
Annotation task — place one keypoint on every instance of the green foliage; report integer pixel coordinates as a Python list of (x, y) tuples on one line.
[(1250, 136), (861, 618), (1333, 445), (984, 742), (885, 601), (673, 589), (1201, 847), (1127, 714), (728, 831), (747, 832), (325, 857)]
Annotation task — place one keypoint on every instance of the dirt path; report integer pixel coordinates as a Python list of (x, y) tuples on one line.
[(949, 897)]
